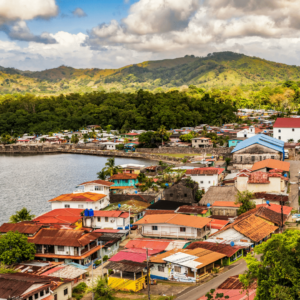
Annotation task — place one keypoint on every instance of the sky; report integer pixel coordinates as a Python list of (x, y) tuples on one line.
[(45, 34)]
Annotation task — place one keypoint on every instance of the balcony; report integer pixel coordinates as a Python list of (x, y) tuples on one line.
[(87, 249)]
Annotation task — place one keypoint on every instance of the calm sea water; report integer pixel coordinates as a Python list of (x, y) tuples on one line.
[(30, 181)]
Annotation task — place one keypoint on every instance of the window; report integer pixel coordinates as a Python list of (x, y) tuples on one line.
[(260, 158), (61, 248), (47, 291), (293, 129), (96, 207), (118, 181), (253, 158), (185, 195), (209, 182), (195, 141), (182, 229), (106, 219), (161, 268), (55, 297), (177, 269), (67, 205), (201, 181), (99, 219), (80, 205), (154, 227), (30, 298), (279, 130), (98, 188), (279, 137), (41, 293), (65, 291), (272, 157), (36, 296), (241, 158), (171, 195)]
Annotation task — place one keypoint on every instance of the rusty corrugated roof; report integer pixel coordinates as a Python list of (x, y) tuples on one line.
[(124, 176), (98, 181), (189, 209), (233, 283), (24, 228)]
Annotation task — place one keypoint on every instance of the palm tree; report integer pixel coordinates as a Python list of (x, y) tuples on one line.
[(111, 167), (21, 215), (162, 131), (102, 174)]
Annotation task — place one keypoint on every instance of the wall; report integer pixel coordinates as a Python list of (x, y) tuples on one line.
[(60, 291), (224, 211), (67, 250), (94, 205), (286, 134), (205, 181), (113, 223), (188, 150), (91, 188), (275, 185)]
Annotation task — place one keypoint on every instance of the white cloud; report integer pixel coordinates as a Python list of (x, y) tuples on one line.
[(79, 12)]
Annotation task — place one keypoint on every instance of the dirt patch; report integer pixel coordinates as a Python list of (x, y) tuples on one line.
[(165, 289), (128, 296)]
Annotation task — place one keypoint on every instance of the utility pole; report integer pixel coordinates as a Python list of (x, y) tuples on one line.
[(101, 259), (148, 277), (129, 224), (93, 280)]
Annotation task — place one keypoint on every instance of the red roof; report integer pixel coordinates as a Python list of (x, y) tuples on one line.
[(124, 176), (225, 204), (218, 224), (137, 255), (154, 244), (107, 230), (287, 123), (111, 213), (259, 177), (102, 182), (132, 134), (204, 171), (233, 294), (60, 216), (53, 270), (271, 164), (277, 208)]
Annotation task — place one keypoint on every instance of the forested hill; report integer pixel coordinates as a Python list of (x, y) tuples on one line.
[(216, 70)]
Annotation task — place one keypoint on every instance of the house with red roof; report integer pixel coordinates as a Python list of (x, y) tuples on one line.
[(287, 129), (206, 177)]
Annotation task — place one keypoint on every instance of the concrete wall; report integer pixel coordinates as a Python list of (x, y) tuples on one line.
[(113, 223), (188, 150), (205, 181), (286, 134), (94, 205)]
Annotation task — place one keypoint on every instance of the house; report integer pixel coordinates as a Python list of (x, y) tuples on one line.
[(271, 164), (124, 182), (201, 142), (257, 148), (247, 228), (225, 208), (165, 205), (68, 245), (115, 219), (27, 287), (131, 168), (133, 254), (234, 289), (217, 224), (219, 193), (206, 177), (95, 186), (273, 198), (200, 211), (286, 129), (183, 191), (249, 132), (88, 200), (28, 229), (234, 141), (261, 182), (185, 265), (174, 226), (127, 275), (233, 253), (109, 145)]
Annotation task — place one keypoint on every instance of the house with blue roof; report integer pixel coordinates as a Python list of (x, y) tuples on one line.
[(257, 148)]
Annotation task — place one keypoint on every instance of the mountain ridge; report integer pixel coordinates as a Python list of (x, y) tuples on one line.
[(219, 69)]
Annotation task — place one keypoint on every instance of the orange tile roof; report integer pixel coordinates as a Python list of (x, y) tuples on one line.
[(176, 219), (226, 203), (121, 187), (124, 176), (205, 257), (87, 197), (271, 164), (102, 182)]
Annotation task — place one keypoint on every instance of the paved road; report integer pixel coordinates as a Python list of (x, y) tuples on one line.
[(197, 292), (294, 171)]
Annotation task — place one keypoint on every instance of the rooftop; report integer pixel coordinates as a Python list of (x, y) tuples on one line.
[(277, 208), (65, 271), (189, 209), (79, 197), (287, 123), (111, 213), (24, 228), (271, 164), (205, 171), (219, 193), (100, 182), (126, 266), (233, 283), (166, 205), (175, 219), (123, 176), (135, 206), (225, 204)]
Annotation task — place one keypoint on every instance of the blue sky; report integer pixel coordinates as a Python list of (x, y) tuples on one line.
[(43, 34)]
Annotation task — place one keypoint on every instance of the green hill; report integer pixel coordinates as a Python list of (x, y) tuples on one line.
[(222, 69)]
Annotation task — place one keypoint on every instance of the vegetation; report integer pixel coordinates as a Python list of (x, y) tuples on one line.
[(277, 273), (110, 169), (6, 270), (152, 139), (79, 291), (14, 247), (244, 199), (21, 215), (102, 291), (211, 295)]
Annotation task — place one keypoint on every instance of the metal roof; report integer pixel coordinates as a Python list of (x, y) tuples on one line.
[(263, 140)]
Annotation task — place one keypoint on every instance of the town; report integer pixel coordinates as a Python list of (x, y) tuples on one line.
[(190, 226)]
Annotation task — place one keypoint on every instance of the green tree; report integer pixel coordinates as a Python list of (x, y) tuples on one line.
[(21, 215), (102, 291), (278, 271), (102, 174), (74, 138), (244, 199), (111, 168), (6, 270), (15, 247), (6, 139), (162, 131)]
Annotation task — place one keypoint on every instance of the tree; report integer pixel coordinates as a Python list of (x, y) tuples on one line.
[(21, 215), (108, 128), (14, 247), (74, 138), (162, 131), (111, 168), (211, 295), (244, 199), (278, 271), (102, 291), (102, 174)]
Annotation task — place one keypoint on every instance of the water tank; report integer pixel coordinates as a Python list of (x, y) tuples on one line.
[(86, 212), (91, 212)]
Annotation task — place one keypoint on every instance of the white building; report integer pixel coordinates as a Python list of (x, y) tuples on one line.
[(95, 186), (177, 226), (109, 145), (287, 129), (247, 133), (206, 177), (113, 219), (201, 142)]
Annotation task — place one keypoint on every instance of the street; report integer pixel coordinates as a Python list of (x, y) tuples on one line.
[(196, 292)]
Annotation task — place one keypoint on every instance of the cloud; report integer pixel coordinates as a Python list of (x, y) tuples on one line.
[(79, 12)]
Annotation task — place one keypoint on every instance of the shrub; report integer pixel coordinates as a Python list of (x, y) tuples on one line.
[(80, 288), (105, 258), (110, 271), (120, 147), (98, 262)]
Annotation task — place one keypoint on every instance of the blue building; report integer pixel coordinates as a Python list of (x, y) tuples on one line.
[(257, 148), (235, 141)]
